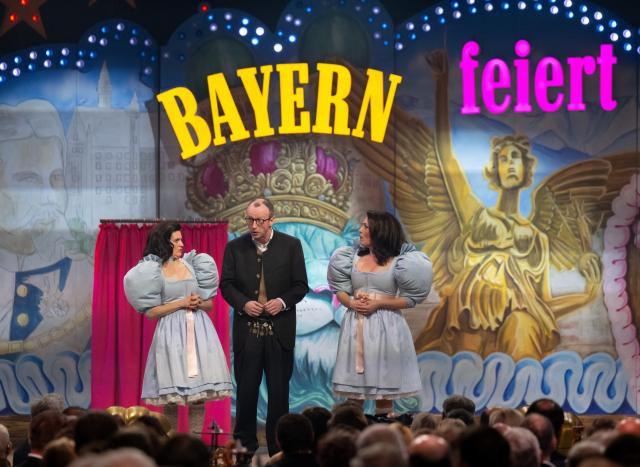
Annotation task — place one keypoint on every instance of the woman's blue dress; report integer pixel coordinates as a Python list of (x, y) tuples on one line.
[(168, 378), (390, 366)]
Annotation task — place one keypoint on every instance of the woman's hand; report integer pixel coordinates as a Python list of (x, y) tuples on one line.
[(192, 302), (365, 305)]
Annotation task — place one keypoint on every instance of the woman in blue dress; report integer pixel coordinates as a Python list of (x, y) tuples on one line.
[(186, 364), (376, 357)]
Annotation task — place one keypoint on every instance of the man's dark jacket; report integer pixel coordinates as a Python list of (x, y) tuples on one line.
[(285, 277)]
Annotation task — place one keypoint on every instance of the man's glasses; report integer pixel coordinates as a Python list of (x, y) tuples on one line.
[(258, 221)]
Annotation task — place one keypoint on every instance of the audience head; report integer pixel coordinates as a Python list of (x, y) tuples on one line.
[(583, 450), (337, 448), (404, 431), (136, 437), (524, 448), (457, 402), (294, 433), (599, 461), (51, 401), (509, 417), (598, 424), (348, 415), (74, 411), (624, 450), (59, 452), (424, 420), (541, 427), (450, 429), (126, 457), (629, 425), (153, 425), (461, 414), (381, 433), (5, 442), (92, 431), (429, 451), (604, 437), (184, 450), (319, 418), (478, 445), (550, 409), (43, 428), (380, 455)]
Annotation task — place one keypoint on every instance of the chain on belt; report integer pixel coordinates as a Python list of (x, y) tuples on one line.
[(260, 327)]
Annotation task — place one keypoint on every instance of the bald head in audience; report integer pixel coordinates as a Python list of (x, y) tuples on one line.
[(429, 450), (629, 425)]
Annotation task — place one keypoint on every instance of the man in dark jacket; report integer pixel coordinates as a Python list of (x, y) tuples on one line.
[(263, 277)]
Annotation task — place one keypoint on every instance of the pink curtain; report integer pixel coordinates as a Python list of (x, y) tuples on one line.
[(121, 337)]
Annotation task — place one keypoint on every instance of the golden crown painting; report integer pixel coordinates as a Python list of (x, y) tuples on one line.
[(235, 228)]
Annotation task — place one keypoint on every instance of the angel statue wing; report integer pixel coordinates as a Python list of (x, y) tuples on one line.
[(573, 203), (420, 181)]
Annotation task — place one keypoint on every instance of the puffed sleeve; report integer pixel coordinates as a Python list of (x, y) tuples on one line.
[(143, 284), (206, 273), (412, 273), (339, 270)]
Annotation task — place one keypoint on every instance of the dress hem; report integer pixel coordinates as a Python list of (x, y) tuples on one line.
[(362, 396), (184, 399)]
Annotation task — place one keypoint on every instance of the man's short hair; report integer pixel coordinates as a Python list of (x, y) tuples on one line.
[(126, 456), (423, 420), (337, 448), (380, 433), (542, 428), (51, 401), (349, 415), (257, 202), (461, 414), (525, 451), (94, 427), (44, 427), (479, 444), (294, 433), (319, 418), (550, 409), (458, 402), (184, 449), (380, 455), (624, 449), (507, 416)]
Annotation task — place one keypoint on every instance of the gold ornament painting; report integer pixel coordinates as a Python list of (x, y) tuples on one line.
[(491, 264)]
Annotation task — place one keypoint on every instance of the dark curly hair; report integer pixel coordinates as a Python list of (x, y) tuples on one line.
[(386, 235), (158, 241)]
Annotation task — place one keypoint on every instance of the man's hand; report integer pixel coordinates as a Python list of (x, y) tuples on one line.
[(273, 307), (253, 308)]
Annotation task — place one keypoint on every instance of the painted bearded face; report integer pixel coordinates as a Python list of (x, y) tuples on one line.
[(32, 188)]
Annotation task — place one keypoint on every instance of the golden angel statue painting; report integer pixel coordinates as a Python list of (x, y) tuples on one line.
[(492, 264)]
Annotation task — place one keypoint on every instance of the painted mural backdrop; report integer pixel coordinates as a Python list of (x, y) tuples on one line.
[(76, 145), (527, 205)]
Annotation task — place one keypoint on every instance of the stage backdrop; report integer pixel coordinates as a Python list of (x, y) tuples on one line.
[(511, 159)]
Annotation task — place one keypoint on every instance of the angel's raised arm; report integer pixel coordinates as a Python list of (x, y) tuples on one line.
[(464, 201)]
